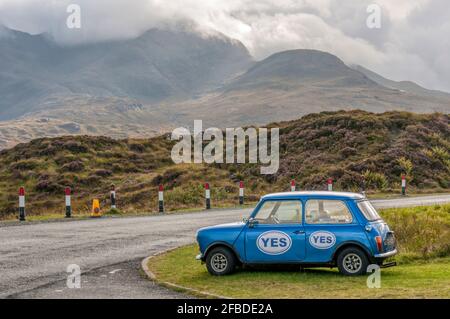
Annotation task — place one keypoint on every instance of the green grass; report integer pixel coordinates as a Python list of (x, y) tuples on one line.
[(421, 232), (414, 280), (50, 217)]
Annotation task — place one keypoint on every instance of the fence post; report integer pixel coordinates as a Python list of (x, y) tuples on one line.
[(22, 203), (68, 203), (207, 196), (403, 185), (241, 193), (112, 196), (330, 184), (363, 187), (161, 199)]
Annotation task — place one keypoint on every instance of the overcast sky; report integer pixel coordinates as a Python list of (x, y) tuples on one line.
[(412, 43)]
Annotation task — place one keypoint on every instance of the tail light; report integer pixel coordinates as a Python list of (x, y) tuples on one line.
[(379, 243)]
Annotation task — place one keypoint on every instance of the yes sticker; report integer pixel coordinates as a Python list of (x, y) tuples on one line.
[(322, 239), (274, 242)]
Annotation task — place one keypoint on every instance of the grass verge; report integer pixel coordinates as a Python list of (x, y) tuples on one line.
[(414, 280)]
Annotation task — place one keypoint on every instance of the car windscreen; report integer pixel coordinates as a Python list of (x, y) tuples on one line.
[(368, 210)]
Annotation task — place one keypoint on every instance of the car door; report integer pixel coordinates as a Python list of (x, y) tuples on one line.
[(328, 223), (276, 234)]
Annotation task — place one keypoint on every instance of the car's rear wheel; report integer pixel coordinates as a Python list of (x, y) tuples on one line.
[(220, 261), (352, 262)]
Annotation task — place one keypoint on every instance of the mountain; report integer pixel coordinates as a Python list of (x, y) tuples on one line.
[(350, 147), (155, 66), (167, 78), (290, 84), (300, 67), (405, 86)]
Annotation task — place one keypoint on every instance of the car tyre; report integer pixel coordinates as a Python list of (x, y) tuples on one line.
[(220, 261), (352, 262)]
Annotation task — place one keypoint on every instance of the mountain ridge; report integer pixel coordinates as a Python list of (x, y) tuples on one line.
[(175, 77), (157, 65), (399, 85), (300, 65)]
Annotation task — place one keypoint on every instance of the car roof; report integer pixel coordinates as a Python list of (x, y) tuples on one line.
[(312, 194)]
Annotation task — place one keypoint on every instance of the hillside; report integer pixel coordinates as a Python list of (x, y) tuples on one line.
[(347, 146)]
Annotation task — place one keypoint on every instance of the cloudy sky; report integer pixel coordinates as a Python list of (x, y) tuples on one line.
[(413, 42)]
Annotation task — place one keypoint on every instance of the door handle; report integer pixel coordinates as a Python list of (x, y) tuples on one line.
[(298, 232)]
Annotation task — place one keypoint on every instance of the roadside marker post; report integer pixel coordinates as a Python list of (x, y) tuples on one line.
[(403, 185), (161, 199), (363, 187), (22, 204), (112, 196), (207, 196), (330, 184), (293, 186), (68, 203), (241, 193)]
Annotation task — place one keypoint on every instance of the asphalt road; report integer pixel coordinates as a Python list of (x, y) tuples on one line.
[(34, 257)]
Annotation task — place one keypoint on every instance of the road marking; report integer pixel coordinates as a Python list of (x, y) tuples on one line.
[(114, 271)]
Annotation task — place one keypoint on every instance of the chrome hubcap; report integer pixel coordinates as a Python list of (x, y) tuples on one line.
[(219, 262), (352, 263)]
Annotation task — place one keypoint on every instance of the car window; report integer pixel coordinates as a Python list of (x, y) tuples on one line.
[(280, 212), (324, 211), (368, 210)]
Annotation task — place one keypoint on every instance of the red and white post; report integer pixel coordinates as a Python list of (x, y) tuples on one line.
[(161, 199), (241, 193), (207, 196), (67, 191), (330, 185), (112, 196), (292, 186), (403, 185), (22, 204)]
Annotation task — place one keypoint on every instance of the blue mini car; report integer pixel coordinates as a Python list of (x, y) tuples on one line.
[(312, 229)]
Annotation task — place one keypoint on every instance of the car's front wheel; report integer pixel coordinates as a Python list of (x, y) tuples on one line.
[(220, 261), (352, 262)]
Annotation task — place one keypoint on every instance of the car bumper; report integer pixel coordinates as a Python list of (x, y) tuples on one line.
[(386, 254)]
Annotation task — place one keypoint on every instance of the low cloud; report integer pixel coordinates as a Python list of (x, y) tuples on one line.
[(412, 43)]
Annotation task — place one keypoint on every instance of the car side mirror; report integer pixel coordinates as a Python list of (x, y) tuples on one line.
[(252, 222)]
